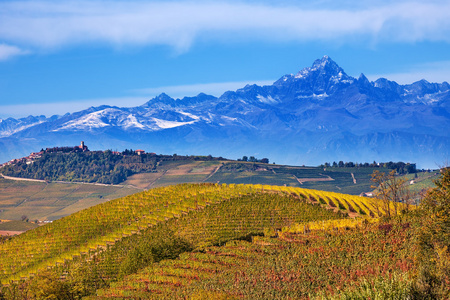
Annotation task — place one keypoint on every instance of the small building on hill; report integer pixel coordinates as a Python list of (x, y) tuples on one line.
[(82, 147), (139, 152)]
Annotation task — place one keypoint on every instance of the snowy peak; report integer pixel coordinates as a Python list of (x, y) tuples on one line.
[(11, 126), (323, 67), (385, 84), (326, 63), (163, 99)]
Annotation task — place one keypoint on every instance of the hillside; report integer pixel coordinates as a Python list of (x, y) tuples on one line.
[(307, 118), (98, 246), (60, 193), (152, 170), (105, 167), (293, 266), (50, 201)]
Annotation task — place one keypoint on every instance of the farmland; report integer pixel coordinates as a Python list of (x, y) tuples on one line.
[(52, 200), (229, 172)]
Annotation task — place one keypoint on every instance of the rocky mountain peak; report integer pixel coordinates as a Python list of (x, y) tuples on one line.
[(324, 68)]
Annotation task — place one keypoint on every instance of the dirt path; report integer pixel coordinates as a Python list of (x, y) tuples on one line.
[(354, 179), (64, 182), (154, 182), (21, 179), (212, 173), (302, 180)]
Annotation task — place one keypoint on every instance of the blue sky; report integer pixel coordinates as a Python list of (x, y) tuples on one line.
[(64, 56)]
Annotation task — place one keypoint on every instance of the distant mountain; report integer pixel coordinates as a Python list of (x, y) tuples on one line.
[(319, 114)]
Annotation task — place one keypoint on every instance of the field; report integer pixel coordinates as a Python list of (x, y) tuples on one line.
[(10, 228), (175, 172), (329, 179), (422, 181), (50, 201)]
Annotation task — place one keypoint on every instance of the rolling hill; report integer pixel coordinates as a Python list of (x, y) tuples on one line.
[(64, 183), (96, 251)]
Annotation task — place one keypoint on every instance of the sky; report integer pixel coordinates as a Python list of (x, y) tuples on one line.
[(65, 56)]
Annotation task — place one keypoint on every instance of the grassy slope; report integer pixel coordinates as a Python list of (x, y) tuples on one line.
[(51, 201)]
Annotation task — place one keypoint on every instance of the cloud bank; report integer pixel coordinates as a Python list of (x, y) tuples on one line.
[(54, 24), (7, 51)]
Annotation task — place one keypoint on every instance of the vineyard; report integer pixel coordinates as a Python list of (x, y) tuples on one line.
[(292, 266), (209, 241)]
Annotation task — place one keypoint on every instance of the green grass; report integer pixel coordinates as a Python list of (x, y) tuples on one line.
[(17, 226), (424, 181)]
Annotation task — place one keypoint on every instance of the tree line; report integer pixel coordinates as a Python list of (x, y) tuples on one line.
[(254, 159), (399, 167)]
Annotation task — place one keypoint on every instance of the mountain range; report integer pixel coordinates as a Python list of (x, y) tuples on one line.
[(318, 115)]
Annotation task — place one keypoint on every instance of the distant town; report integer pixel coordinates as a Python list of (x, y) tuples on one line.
[(67, 149)]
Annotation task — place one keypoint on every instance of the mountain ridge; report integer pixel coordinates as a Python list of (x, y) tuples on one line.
[(309, 117)]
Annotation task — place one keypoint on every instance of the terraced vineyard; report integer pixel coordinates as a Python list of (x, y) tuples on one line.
[(98, 246)]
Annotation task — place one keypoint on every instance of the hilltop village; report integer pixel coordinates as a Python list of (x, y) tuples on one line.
[(67, 149)]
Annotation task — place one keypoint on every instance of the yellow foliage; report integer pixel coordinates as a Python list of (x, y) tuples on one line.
[(329, 224)]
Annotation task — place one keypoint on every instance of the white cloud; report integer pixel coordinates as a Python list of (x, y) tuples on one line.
[(7, 51), (180, 23), (432, 72)]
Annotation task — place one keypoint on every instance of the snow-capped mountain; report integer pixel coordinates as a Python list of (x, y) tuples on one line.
[(11, 126), (319, 114)]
